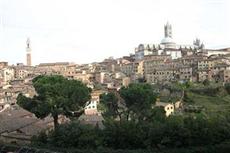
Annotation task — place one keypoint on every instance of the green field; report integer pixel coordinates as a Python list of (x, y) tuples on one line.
[(213, 98), (212, 104)]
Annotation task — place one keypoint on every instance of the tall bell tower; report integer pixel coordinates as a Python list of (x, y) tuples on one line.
[(168, 30), (28, 53)]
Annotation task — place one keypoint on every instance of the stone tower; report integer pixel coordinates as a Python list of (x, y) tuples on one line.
[(28, 53), (168, 30)]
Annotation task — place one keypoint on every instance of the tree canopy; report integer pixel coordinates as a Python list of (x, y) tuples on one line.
[(142, 126), (109, 105), (56, 95), (139, 99)]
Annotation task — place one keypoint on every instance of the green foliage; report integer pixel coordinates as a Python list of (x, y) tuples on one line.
[(109, 105), (210, 91), (40, 140), (75, 135), (56, 95), (219, 148), (187, 98), (212, 105), (172, 132), (158, 114), (141, 80), (227, 87), (184, 85), (206, 82), (147, 128), (139, 100), (123, 135)]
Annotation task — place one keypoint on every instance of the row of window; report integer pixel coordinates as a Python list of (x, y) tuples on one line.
[(162, 73), (185, 72), (89, 107)]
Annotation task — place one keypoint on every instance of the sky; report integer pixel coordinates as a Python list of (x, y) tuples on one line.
[(85, 31)]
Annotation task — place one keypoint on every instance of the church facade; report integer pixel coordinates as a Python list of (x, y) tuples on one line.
[(167, 46)]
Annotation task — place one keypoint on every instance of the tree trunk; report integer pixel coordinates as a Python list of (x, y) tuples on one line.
[(119, 115), (55, 117), (127, 117), (182, 96)]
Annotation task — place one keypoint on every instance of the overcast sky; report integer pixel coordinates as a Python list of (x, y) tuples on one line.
[(84, 31)]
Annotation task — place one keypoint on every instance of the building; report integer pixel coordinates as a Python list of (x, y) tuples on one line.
[(91, 108), (52, 68), (3, 64), (128, 68), (161, 75), (167, 46), (168, 107), (23, 72), (185, 73), (147, 49), (6, 75), (158, 68), (222, 51), (126, 81), (18, 126), (224, 75), (168, 41), (28, 53)]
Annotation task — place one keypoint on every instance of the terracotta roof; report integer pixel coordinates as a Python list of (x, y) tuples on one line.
[(22, 120)]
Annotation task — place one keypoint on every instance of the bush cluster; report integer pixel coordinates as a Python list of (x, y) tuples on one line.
[(211, 91), (172, 132)]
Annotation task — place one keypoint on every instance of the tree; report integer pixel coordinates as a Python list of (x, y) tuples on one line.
[(227, 87), (109, 105), (139, 99), (141, 80), (183, 87), (206, 82), (74, 134), (56, 95), (123, 135)]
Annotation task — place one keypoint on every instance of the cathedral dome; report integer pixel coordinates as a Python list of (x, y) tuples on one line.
[(167, 40)]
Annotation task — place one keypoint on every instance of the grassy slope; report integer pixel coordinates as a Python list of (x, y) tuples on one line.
[(213, 104)]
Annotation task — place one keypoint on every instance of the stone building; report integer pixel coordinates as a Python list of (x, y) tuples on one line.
[(167, 46), (22, 71), (222, 51), (18, 126), (168, 107), (52, 68), (6, 74), (161, 75), (91, 108), (128, 69), (158, 68), (185, 73), (224, 75), (3, 64), (28, 53)]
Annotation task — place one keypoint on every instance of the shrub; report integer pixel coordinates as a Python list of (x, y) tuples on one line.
[(71, 135), (227, 87)]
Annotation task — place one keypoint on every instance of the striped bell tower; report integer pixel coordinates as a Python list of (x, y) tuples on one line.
[(28, 53)]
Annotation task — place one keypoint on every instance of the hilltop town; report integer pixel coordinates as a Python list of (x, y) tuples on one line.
[(151, 63)]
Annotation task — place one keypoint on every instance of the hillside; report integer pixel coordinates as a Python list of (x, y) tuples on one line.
[(212, 104), (212, 98)]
